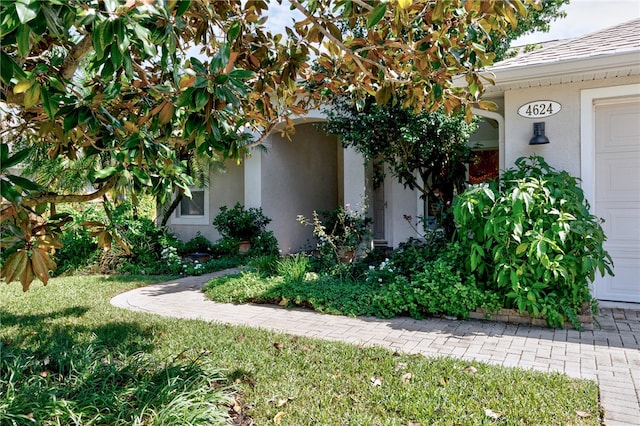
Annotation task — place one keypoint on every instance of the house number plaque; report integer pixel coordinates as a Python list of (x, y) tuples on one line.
[(539, 109)]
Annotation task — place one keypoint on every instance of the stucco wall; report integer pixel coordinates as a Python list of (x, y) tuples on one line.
[(562, 129), (298, 177), (224, 189)]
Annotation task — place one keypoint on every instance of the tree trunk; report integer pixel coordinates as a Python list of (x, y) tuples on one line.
[(169, 210)]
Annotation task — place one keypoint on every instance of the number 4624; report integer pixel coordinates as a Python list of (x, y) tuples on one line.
[(539, 109)]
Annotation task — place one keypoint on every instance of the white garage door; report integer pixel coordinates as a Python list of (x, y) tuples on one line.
[(617, 197)]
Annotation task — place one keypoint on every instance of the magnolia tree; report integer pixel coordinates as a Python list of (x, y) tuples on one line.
[(136, 89)]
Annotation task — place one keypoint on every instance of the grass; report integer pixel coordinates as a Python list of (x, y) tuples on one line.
[(69, 357)]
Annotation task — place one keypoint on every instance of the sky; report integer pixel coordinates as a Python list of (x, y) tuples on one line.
[(583, 17)]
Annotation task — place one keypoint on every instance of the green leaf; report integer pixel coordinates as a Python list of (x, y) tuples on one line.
[(96, 40), (49, 105), (376, 14), (8, 22), (6, 67), (27, 10), (142, 176), (15, 159), (221, 79), (198, 66), (9, 192), (4, 154), (22, 37), (182, 7), (241, 74), (201, 99), (116, 56), (106, 34), (128, 66), (23, 183), (105, 173), (234, 31)]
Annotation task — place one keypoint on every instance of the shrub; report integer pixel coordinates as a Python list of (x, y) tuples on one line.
[(79, 250), (264, 244), (441, 289), (240, 223), (198, 244), (394, 297), (534, 240)]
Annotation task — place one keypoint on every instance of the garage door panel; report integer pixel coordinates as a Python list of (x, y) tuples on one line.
[(618, 128), (622, 225), (625, 285), (618, 177), (617, 197)]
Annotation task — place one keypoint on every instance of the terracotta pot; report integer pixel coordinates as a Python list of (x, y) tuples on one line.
[(244, 247), (346, 256)]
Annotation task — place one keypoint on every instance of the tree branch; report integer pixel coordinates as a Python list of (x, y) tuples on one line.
[(71, 198), (75, 55), (356, 58)]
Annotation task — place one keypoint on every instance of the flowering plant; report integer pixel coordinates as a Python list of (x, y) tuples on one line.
[(340, 232), (384, 273)]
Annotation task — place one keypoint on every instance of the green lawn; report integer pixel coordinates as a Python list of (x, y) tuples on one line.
[(69, 357)]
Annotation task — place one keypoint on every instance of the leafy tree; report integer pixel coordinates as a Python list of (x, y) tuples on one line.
[(425, 151), (536, 19), (126, 84)]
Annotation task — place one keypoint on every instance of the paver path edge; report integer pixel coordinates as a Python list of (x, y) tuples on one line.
[(610, 355)]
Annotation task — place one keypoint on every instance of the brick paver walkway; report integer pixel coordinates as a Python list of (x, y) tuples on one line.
[(609, 355)]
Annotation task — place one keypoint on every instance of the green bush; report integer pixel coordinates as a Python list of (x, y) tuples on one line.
[(240, 223), (442, 290), (79, 250), (198, 244), (534, 241), (435, 285)]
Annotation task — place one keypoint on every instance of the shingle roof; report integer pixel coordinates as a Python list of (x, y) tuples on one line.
[(621, 38)]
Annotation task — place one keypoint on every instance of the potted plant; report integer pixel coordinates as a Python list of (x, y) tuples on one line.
[(241, 224)]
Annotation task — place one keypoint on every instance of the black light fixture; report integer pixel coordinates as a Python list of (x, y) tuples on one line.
[(538, 135)]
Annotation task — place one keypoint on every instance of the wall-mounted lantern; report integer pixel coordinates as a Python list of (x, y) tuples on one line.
[(539, 137)]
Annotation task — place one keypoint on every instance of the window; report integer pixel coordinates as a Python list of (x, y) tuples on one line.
[(194, 210)]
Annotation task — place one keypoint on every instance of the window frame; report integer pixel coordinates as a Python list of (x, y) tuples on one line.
[(203, 219)]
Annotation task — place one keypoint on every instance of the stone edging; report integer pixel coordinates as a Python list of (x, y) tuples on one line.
[(514, 316)]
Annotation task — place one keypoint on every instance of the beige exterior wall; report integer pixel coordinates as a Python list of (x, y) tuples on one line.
[(562, 129), (224, 189), (298, 177)]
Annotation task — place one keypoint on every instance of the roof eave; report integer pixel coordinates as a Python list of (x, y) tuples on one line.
[(511, 75)]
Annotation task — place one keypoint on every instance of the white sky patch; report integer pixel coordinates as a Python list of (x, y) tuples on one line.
[(585, 17), (280, 16)]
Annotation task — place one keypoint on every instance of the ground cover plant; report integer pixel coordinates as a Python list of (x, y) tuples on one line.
[(420, 279), (69, 357)]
